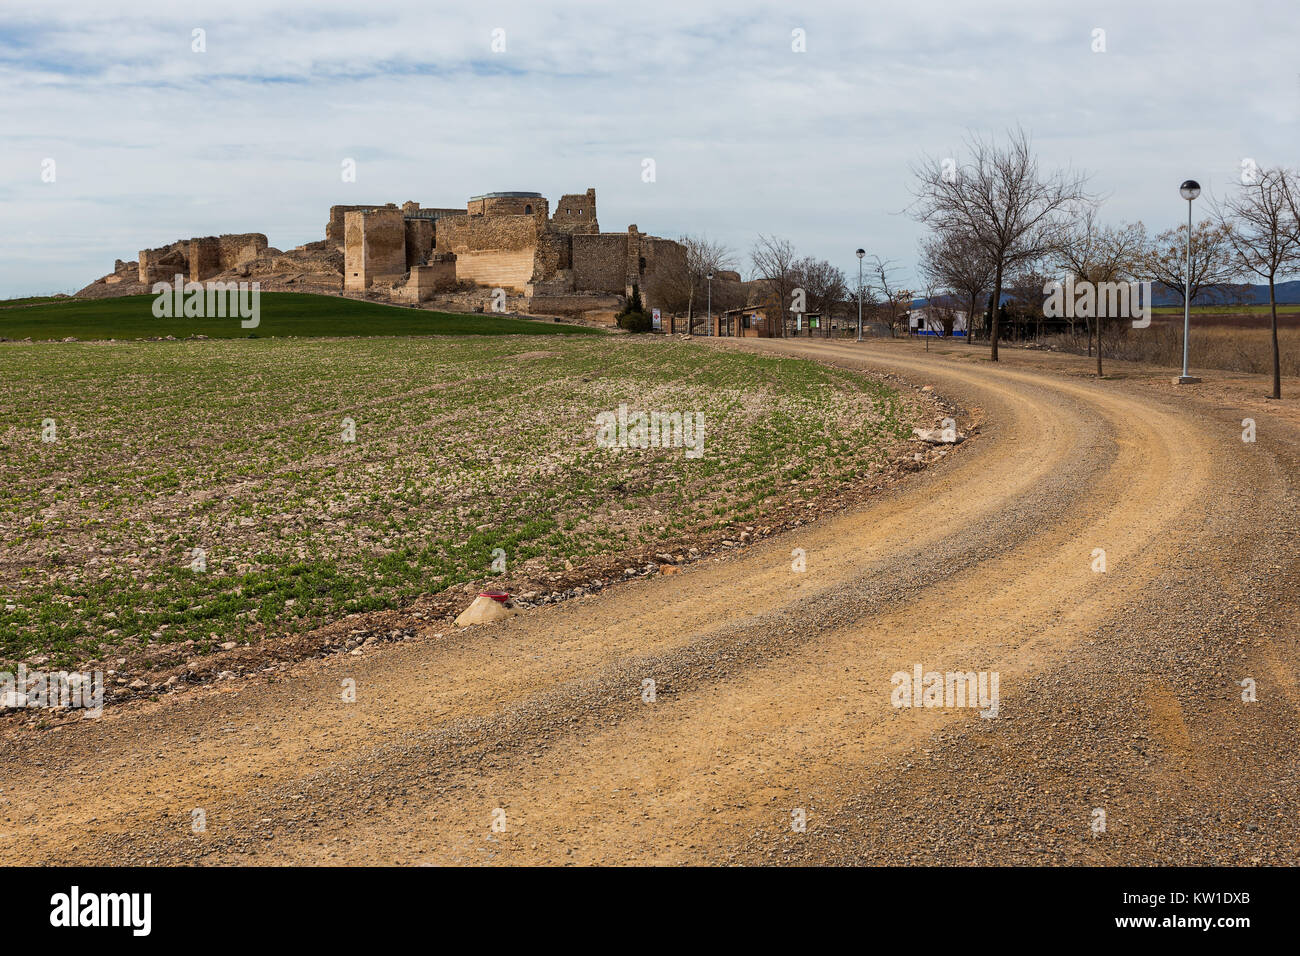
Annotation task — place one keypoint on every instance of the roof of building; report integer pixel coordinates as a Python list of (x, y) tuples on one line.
[(507, 195)]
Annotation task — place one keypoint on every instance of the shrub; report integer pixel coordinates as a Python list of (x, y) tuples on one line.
[(636, 321)]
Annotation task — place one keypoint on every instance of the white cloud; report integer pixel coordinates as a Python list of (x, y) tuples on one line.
[(154, 142)]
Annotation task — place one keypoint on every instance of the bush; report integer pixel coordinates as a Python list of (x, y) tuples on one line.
[(633, 316), (636, 321)]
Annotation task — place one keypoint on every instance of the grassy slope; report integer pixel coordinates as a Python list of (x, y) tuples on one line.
[(282, 314), (27, 300)]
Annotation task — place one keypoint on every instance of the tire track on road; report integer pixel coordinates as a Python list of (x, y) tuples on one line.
[(782, 698)]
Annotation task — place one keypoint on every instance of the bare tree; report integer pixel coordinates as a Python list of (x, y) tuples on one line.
[(940, 309), (954, 262), (860, 296), (824, 286), (1291, 190), (1091, 252), (728, 294), (773, 261), (689, 285), (891, 303), (1259, 219), (1163, 259), (1026, 289), (1001, 200)]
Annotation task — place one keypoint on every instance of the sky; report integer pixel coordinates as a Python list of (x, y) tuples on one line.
[(798, 120)]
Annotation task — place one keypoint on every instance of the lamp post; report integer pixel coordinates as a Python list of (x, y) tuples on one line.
[(1189, 190), (710, 278), (860, 253)]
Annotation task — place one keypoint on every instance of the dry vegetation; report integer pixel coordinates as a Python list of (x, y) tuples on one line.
[(1215, 346)]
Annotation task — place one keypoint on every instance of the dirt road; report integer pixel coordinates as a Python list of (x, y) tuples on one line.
[(1120, 692)]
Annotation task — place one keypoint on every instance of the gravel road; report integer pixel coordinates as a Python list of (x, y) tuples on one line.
[(536, 741)]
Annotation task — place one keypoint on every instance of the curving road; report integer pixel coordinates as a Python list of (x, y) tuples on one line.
[(1120, 692)]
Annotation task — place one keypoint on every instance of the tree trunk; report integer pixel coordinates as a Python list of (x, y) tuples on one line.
[(1277, 357), (993, 312), (1099, 328)]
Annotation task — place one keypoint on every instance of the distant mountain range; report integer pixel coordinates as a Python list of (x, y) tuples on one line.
[(1288, 293)]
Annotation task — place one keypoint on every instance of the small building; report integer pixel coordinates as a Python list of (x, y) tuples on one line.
[(810, 324), (927, 321), (749, 322), (753, 322)]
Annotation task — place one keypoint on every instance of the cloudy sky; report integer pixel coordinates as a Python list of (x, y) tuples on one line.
[(153, 142)]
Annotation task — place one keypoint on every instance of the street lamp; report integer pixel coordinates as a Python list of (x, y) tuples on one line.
[(1189, 190), (860, 253), (710, 278)]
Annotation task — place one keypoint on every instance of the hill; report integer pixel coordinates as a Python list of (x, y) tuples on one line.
[(281, 314)]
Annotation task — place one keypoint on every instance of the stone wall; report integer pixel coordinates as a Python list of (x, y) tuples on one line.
[(413, 210), (164, 263), (554, 255), (477, 233), (334, 229), (298, 260), (602, 306), (210, 255), (374, 246), (660, 264), (205, 258), (475, 299), (491, 250), (509, 206), (576, 213), (419, 241), (437, 276), (506, 241), (600, 262), (501, 268), (559, 284)]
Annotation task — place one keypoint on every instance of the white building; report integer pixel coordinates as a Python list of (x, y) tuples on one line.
[(924, 321)]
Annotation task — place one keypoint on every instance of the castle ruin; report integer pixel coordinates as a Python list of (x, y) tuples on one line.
[(560, 261), (546, 261)]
